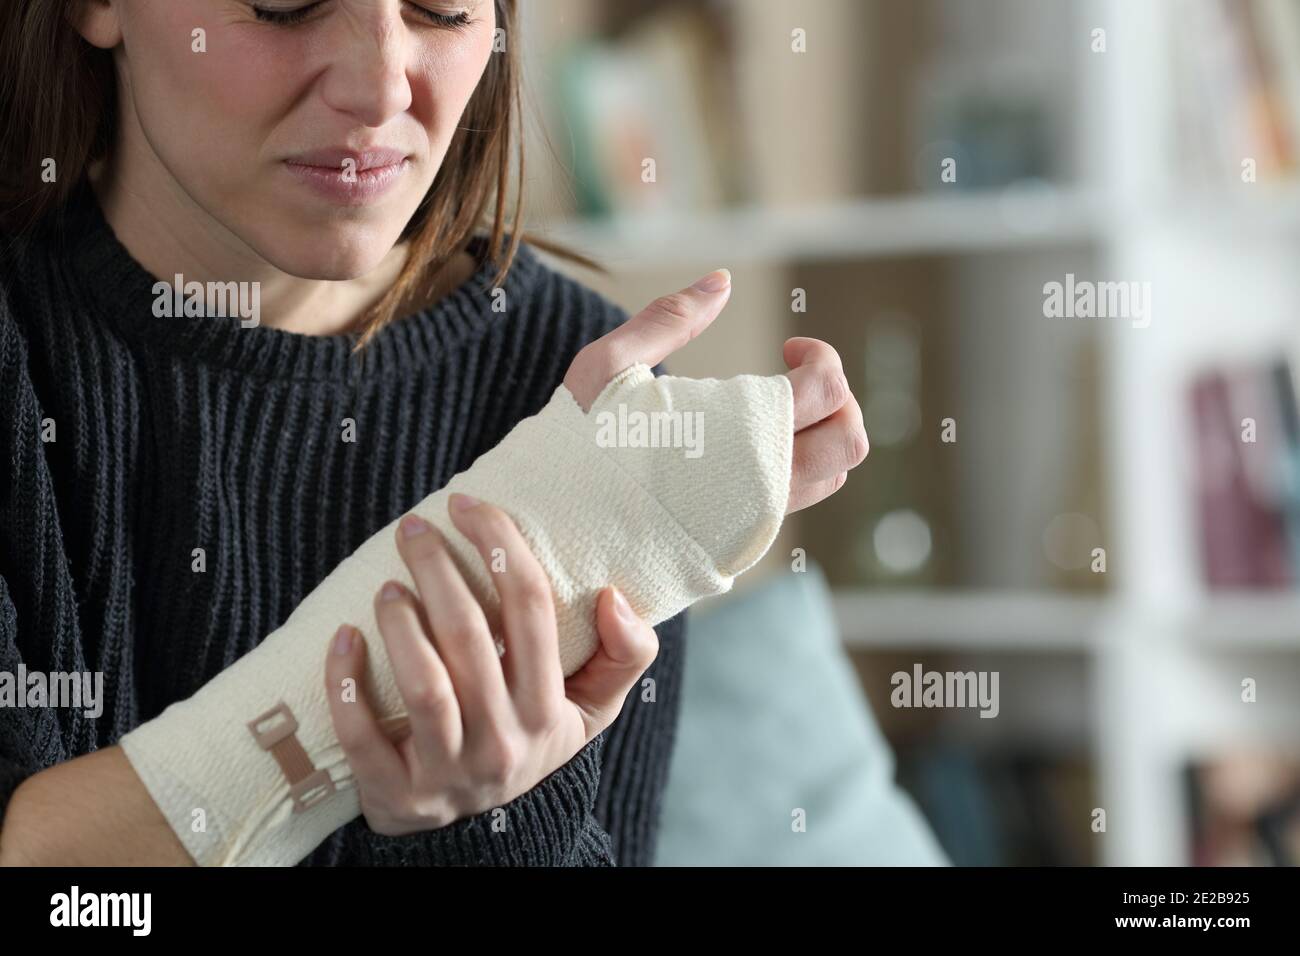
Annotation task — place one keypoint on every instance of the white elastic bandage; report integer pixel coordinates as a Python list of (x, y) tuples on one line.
[(668, 488)]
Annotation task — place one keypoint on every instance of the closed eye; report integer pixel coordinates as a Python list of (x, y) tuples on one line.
[(457, 20), (287, 18)]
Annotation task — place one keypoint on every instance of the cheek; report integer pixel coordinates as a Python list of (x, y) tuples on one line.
[(444, 77), (211, 111), (261, 78)]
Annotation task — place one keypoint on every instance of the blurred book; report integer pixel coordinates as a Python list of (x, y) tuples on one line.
[(1245, 810), (644, 115), (730, 100), (1277, 29), (1237, 75), (996, 130), (814, 125), (1244, 491), (978, 100), (1289, 423)]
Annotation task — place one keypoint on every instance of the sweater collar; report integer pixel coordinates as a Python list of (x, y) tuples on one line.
[(122, 292)]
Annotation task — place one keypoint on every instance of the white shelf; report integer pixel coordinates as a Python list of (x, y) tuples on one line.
[(1247, 622), (920, 225), (1269, 208), (924, 224), (972, 620)]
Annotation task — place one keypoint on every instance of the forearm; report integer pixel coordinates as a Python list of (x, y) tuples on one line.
[(91, 811), (598, 505)]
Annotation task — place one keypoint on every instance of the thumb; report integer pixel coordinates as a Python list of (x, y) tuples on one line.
[(650, 336), (628, 645)]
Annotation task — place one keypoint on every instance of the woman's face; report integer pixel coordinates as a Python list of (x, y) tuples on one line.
[(309, 131)]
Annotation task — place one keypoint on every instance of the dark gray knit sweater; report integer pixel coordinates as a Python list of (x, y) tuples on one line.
[(172, 434)]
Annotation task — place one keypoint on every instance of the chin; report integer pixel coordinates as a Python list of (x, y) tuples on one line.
[(331, 254)]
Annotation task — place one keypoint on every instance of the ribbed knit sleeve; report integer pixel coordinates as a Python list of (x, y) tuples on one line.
[(18, 737), (35, 596), (550, 825)]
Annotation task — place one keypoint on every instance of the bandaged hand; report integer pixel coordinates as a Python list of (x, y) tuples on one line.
[(483, 731), (667, 488)]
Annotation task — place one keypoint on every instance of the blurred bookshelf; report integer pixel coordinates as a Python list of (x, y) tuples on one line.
[(1015, 218), (821, 172)]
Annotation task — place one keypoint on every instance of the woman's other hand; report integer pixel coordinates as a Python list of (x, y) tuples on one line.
[(484, 728)]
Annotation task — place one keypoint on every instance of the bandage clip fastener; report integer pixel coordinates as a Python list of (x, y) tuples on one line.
[(307, 785)]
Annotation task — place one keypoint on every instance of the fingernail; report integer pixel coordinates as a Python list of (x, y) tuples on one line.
[(391, 592), (412, 525), (343, 640), (623, 608), (715, 281), (464, 502)]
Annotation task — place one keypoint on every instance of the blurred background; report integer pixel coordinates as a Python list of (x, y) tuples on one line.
[(1105, 513)]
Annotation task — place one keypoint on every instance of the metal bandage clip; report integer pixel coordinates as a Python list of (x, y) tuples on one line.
[(307, 785)]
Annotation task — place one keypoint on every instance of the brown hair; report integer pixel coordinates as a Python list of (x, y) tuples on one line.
[(58, 100)]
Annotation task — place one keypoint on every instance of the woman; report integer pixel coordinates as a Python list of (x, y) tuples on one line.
[(175, 483)]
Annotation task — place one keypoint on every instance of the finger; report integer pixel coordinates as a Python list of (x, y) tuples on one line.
[(374, 760), (461, 634), (628, 646), (805, 496), (816, 379), (421, 677), (801, 350), (532, 658), (649, 337), (825, 449)]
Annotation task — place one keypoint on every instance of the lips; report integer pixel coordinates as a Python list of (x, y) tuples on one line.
[(329, 174), (364, 159)]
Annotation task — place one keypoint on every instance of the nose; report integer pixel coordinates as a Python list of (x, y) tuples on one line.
[(367, 79)]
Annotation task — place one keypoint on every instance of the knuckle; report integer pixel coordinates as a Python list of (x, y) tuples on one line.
[(835, 388), (533, 594), (589, 354), (543, 716), (670, 310), (647, 649), (351, 735), (432, 808), (461, 630), (825, 352), (856, 446), (496, 759), (425, 700), (390, 613), (422, 547), (496, 526)]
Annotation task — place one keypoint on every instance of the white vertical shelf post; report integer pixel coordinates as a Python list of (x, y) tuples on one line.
[(1154, 569)]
